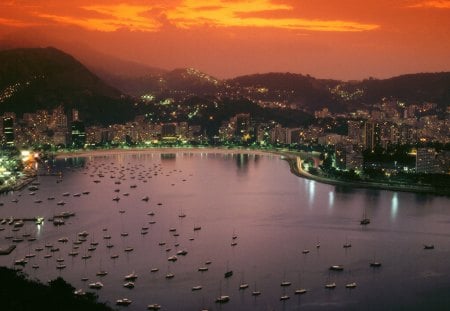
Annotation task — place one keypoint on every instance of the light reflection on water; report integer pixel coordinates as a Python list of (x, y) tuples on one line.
[(275, 215)]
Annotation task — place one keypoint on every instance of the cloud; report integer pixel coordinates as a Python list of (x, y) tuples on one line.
[(221, 13), (102, 15), (434, 4), (111, 18), (15, 23)]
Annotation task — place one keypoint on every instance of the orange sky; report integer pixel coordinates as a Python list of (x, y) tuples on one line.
[(348, 39)]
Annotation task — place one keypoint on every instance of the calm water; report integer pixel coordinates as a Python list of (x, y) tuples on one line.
[(274, 214)]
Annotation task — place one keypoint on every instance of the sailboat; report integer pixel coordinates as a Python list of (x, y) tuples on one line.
[(222, 298), (300, 290), (365, 220)]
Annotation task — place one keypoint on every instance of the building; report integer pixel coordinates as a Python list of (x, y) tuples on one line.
[(371, 135), (8, 130), (78, 134), (426, 161)]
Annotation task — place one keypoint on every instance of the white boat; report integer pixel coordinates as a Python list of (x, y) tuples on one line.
[(284, 297), (154, 306), (243, 286), (330, 285), (123, 302), (131, 277), (198, 287), (350, 285), (223, 299), (128, 285), (96, 285), (285, 283)]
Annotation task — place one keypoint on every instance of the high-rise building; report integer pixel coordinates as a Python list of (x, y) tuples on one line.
[(8, 130), (371, 135), (426, 161), (78, 134)]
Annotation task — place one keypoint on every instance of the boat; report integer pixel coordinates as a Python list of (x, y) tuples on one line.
[(146, 198), (365, 220), (428, 246), (305, 251), (172, 258), (203, 269), (301, 291), (375, 264), (228, 274), (129, 285), (154, 306), (347, 245), (154, 270), (102, 273), (169, 275), (243, 286), (123, 302), (198, 287), (128, 249), (79, 292), (182, 252), (114, 256), (96, 285), (285, 283), (284, 297), (336, 268), (197, 228), (350, 285), (222, 299), (131, 277), (330, 285)]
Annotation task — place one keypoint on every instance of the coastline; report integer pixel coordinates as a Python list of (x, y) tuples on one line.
[(293, 158)]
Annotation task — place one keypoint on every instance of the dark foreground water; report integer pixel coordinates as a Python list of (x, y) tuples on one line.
[(274, 215)]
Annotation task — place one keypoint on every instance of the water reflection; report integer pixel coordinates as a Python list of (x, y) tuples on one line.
[(394, 205), (330, 199)]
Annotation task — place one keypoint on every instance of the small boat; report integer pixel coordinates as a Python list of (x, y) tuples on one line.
[(285, 283), (101, 273), (128, 249), (197, 228), (305, 251), (375, 264), (350, 285), (129, 285), (153, 270), (301, 291), (428, 246), (154, 306), (243, 286), (365, 221), (336, 268), (330, 285), (198, 287), (96, 285), (182, 252), (146, 198), (131, 277), (114, 256), (347, 245), (79, 292), (169, 275), (123, 302), (284, 297), (223, 299), (228, 274), (203, 269), (172, 258), (117, 199), (60, 267)]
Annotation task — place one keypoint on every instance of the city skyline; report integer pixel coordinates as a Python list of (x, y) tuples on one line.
[(332, 39)]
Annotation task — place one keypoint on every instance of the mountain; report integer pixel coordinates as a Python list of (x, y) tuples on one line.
[(313, 93), (44, 78), (182, 81), (303, 90), (411, 88)]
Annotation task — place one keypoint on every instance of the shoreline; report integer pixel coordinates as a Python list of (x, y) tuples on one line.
[(293, 158)]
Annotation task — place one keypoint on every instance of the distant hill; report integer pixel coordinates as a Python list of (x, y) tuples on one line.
[(184, 80), (338, 95), (411, 88), (44, 78)]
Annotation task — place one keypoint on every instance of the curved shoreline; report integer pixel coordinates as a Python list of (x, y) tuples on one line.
[(293, 158)]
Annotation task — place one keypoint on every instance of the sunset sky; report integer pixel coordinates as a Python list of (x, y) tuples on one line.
[(345, 39)]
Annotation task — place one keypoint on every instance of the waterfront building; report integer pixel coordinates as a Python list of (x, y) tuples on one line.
[(426, 161)]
